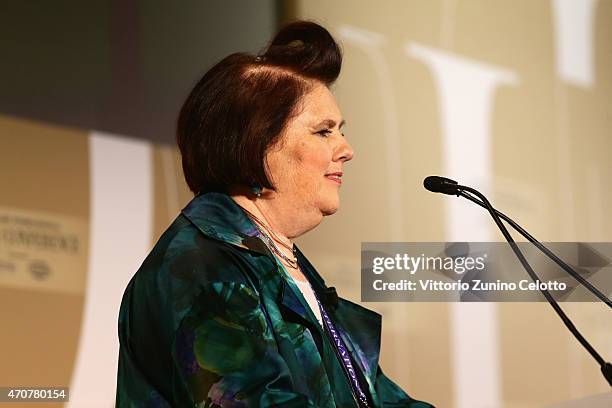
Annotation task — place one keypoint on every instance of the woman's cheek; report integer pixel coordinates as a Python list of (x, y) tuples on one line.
[(321, 157)]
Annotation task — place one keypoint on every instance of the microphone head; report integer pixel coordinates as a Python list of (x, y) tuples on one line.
[(437, 184)]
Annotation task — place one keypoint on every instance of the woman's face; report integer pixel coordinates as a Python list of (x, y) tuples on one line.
[(306, 164)]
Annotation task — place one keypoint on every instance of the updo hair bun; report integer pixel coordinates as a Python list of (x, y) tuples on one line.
[(308, 49)]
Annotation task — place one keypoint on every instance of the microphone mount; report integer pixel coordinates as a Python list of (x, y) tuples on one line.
[(447, 186)]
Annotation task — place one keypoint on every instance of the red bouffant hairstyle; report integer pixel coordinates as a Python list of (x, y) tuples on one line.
[(242, 104)]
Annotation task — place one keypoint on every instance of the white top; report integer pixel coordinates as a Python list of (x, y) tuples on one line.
[(309, 295)]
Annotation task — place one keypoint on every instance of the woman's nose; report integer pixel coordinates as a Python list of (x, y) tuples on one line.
[(344, 151)]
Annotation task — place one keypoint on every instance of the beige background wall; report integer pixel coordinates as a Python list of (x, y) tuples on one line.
[(484, 77), (492, 94)]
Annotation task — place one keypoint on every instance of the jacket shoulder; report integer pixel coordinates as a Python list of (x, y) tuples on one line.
[(178, 274), (184, 253)]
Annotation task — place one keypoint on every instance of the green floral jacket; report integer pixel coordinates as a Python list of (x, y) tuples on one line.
[(212, 319)]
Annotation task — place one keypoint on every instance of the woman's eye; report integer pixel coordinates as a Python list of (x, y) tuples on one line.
[(324, 132)]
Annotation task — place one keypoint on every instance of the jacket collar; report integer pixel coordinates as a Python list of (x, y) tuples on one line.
[(218, 216)]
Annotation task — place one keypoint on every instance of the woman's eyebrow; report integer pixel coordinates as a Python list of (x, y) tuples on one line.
[(330, 123)]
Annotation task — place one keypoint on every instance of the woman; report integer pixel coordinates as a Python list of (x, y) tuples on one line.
[(226, 311)]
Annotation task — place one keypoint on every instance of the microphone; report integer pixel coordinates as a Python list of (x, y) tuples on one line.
[(437, 184), (444, 185), (330, 297)]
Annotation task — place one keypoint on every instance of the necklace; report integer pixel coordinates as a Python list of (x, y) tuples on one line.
[(272, 245), (267, 234)]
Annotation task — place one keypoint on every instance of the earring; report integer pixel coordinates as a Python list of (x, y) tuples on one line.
[(256, 189)]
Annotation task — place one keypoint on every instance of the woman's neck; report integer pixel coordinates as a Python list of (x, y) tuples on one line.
[(287, 219), (253, 207), (264, 217)]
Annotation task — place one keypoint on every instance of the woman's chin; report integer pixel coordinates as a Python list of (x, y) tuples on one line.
[(329, 208)]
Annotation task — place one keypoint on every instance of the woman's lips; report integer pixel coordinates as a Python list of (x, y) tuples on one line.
[(335, 177)]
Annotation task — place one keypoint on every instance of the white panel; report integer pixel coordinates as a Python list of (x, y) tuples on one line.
[(120, 238), (465, 91), (573, 23)]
